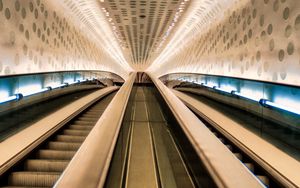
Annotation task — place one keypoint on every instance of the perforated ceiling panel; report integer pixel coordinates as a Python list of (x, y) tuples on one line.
[(253, 39), (56, 35), (143, 26)]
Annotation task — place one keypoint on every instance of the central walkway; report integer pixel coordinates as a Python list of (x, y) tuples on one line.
[(146, 150)]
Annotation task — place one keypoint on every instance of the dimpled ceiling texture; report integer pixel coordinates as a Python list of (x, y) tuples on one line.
[(254, 39), (143, 26), (57, 35)]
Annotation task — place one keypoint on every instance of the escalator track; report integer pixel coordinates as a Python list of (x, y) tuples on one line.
[(258, 169), (43, 166), (149, 153)]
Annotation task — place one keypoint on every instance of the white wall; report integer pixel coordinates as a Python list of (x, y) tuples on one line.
[(42, 36), (254, 39)]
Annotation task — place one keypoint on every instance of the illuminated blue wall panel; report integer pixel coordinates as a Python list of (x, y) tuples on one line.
[(31, 84), (287, 97)]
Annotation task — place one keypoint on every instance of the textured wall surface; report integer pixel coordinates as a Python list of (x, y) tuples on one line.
[(40, 36), (255, 39)]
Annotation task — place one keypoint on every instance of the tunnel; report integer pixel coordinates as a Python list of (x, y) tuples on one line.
[(150, 93)]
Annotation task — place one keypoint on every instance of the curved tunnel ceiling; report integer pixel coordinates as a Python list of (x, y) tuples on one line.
[(138, 31), (142, 26), (236, 38)]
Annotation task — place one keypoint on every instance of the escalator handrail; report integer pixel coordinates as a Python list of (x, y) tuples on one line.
[(22, 143), (282, 167), (225, 169), (90, 165)]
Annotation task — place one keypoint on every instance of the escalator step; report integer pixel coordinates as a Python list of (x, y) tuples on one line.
[(264, 179), (222, 140), (63, 146), (238, 155), (68, 138), (81, 127), (76, 132), (250, 166), (229, 147), (55, 155), (215, 133), (88, 119), (96, 109), (35, 179), (45, 165), (90, 115), (79, 122)]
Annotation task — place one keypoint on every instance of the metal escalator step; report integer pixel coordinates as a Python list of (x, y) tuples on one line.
[(45, 165), (79, 122), (229, 147), (94, 109), (91, 115), (76, 132), (68, 138), (250, 166), (63, 146), (35, 179), (98, 108), (92, 121), (55, 154), (88, 118), (238, 155), (264, 179), (81, 127), (99, 111), (222, 140), (216, 134)]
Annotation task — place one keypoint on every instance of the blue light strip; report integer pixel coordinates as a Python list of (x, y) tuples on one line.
[(19, 95), (209, 86), (280, 106), (228, 91), (60, 85), (8, 99), (223, 90), (244, 96), (264, 102), (38, 91)]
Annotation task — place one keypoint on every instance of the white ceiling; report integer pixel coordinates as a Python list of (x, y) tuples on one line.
[(138, 33), (133, 31), (142, 26)]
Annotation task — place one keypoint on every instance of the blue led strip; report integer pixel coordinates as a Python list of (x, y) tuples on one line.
[(268, 103), (11, 98)]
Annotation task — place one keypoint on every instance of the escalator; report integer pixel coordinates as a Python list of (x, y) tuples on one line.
[(17, 120), (43, 166), (250, 121), (152, 150)]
